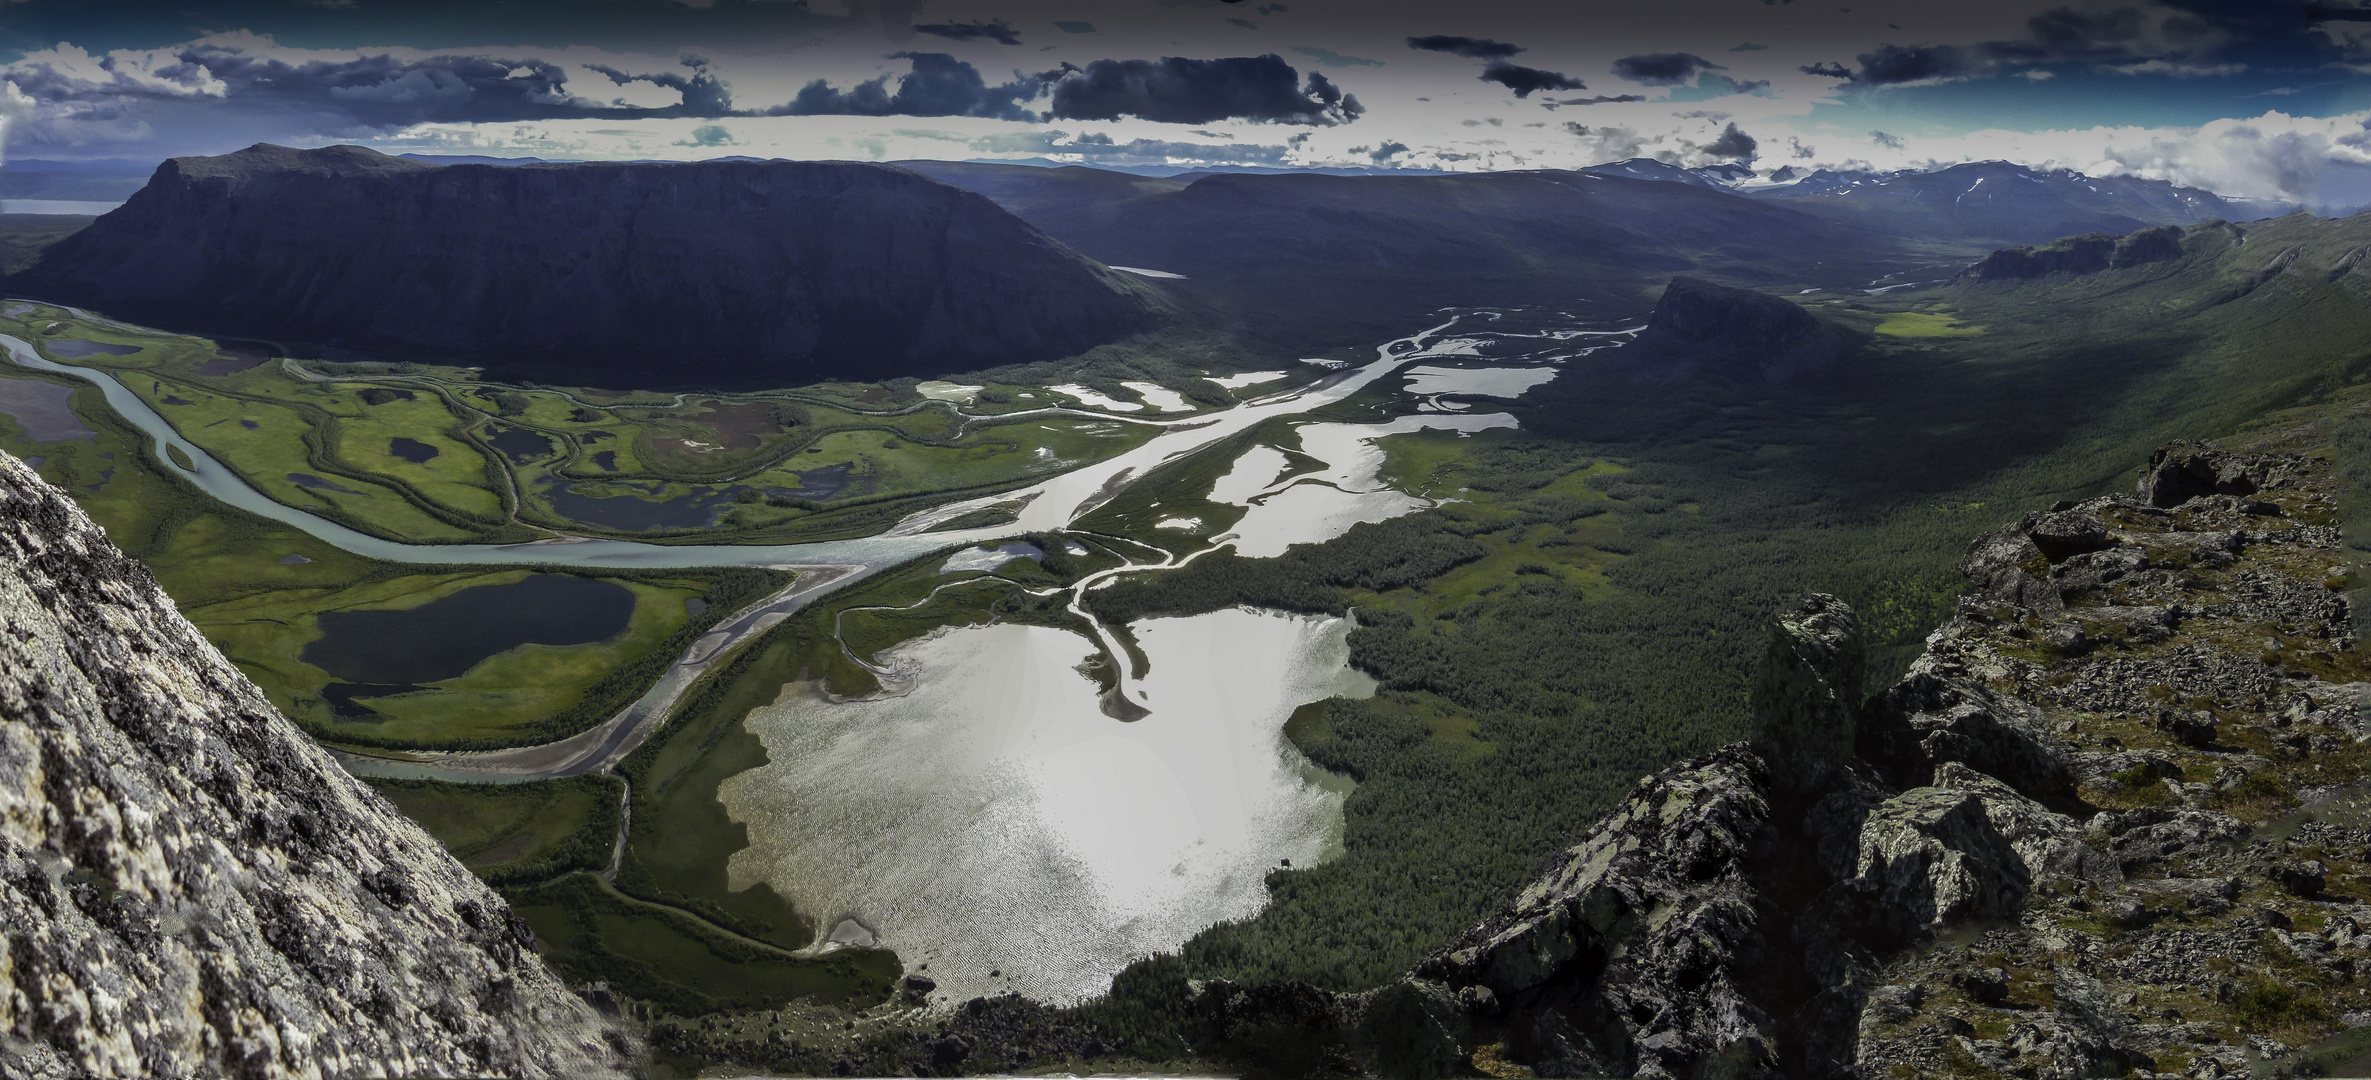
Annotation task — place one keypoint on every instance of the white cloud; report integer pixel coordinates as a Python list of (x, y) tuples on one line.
[(2174, 69)]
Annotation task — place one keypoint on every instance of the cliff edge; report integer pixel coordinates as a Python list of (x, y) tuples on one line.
[(191, 887), (2067, 843)]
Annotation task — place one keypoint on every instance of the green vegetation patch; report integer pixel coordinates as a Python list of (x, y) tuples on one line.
[(653, 953), (511, 834), (682, 837), (1925, 324), (523, 695)]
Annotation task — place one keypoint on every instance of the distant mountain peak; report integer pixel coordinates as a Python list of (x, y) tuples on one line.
[(1702, 329)]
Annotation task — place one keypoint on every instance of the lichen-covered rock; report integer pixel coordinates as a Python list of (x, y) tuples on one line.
[(2036, 855), (1808, 693), (1631, 951), (190, 887), (2181, 471)]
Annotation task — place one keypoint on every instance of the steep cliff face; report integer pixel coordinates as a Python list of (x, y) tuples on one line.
[(787, 271), (190, 887), (2086, 254), (1702, 330)]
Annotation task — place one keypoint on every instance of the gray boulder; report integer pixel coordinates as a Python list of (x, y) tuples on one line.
[(2181, 471)]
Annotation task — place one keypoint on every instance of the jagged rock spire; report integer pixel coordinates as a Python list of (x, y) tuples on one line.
[(1809, 690)]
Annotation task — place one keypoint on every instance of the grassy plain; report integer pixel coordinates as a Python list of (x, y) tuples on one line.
[(516, 833), (657, 954), (516, 689), (1924, 324), (773, 466), (255, 588)]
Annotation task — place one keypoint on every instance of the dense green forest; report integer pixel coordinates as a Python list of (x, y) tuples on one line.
[(1621, 623)]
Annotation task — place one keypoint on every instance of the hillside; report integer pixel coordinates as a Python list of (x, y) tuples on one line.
[(2001, 203), (727, 271), (192, 887), (1310, 261)]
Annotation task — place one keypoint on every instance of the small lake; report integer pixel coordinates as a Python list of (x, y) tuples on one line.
[(1319, 506), (76, 350), (310, 482), (411, 450), (987, 818), (627, 513), (40, 408), (446, 637), (522, 445)]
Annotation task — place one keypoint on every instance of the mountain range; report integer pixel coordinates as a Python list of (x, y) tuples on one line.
[(842, 268)]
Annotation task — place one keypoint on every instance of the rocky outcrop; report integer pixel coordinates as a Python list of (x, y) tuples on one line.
[(1702, 330), (2058, 847), (190, 887), (2089, 253), (784, 271)]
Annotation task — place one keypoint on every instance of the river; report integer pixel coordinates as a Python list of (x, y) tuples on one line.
[(823, 566)]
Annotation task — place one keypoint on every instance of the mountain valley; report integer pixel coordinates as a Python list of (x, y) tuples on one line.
[(1520, 532)]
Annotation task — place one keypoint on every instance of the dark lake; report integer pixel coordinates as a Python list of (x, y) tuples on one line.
[(411, 450), (821, 483), (444, 638), (629, 514), (76, 350), (520, 444)]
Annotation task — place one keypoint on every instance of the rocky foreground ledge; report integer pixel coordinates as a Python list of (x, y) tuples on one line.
[(2064, 845), (190, 887)]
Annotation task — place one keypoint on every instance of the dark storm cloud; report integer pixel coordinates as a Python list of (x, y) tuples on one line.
[(1523, 80), (703, 94), (996, 30), (1661, 69), (939, 85), (1601, 99), (1734, 143), (2057, 35), (1178, 90), (1387, 151), (1471, 48)]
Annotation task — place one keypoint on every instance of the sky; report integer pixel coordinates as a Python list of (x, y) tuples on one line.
[(2254, 98)]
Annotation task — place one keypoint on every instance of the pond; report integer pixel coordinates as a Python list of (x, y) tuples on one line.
[(447, 636), (627, 513), (411, 450), (1314, 507), (987, 818), (76, 350), (521, 444), (310, 482), (40, 408)]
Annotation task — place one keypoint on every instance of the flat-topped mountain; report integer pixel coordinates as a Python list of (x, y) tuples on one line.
[(786, 271), (191, 887), (1736, 334)]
